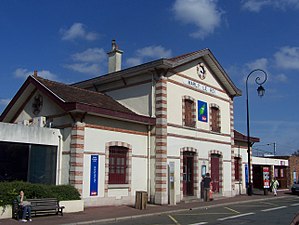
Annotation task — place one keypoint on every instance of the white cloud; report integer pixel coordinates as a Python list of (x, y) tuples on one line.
[(147, 53), (254, 5), (261, 63), (90, 55), (287, 58), (78, 31), (84, 68), (88, 61), (4, 101), (24, 73), (204, 14), (258, 5), (281, 78)]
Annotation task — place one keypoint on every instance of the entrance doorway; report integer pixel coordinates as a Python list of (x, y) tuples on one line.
[(215, 161), (188, 173)]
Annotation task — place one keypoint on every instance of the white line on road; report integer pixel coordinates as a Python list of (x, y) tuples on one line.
[(237, 216), (271, 209), (295, 204), (201, 223)]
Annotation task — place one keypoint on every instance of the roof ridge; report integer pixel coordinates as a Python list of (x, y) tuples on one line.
[(179, 57), (70, 86)]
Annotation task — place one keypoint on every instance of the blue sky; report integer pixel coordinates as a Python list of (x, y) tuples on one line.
[(67, 41)]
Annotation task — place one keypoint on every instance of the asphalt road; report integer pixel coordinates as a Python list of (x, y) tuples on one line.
[(275, 211)]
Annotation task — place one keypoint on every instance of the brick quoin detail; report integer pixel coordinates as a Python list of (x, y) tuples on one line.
[(161, 195), (76, 153)]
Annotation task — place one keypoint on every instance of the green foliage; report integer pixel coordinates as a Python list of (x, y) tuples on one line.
[(10, 190)]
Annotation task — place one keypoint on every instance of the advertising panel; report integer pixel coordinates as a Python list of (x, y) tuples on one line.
[(94, 164), (202, 111), (266, 177)]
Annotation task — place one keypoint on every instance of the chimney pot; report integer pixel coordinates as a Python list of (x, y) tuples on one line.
[(35, 73)]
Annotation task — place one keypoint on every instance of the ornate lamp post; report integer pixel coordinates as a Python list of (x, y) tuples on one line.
[(261, 92)]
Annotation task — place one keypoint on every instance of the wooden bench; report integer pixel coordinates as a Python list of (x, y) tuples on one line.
[(42, 206)]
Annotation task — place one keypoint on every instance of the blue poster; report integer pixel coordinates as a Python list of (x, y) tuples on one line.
[(94, 175), (246, 175), (202, 111)]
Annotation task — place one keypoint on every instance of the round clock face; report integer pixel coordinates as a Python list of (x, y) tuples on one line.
[(37, 104), (201, 71)]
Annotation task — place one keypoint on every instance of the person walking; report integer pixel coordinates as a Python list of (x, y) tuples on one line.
[(206, 186), (25, 205), (274, 185)]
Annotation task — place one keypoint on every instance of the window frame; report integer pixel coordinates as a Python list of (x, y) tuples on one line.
[(189, 113), (118, 156), (215, 118)]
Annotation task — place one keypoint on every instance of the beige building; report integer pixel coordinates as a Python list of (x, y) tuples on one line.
[(126, 131)]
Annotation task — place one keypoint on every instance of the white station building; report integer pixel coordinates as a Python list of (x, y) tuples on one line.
[(157, 127)]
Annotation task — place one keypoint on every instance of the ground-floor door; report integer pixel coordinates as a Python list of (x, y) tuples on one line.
[(215, 160), (188, 174)]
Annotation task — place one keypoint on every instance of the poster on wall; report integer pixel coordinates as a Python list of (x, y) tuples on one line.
[(94, 175), (202, 111), (266, 177), (246, 175)]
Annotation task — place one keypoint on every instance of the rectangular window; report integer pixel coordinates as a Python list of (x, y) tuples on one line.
[(237, 168), (189, 120), (215, 119), (117, 165)]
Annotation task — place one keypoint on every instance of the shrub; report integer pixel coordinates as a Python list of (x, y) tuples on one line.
[(10, 190)]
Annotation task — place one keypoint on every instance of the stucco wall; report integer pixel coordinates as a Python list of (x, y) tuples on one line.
[(25, 134), (95, 144)]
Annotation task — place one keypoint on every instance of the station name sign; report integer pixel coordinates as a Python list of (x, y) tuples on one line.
[(200, 86)]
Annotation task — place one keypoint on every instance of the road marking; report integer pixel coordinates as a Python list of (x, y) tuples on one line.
[(236, 216), (295, 204), (198, 214), (201, 223), (232, 210), (174, 220), (268, 203), (272, 209)]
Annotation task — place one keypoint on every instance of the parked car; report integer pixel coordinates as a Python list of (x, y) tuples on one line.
[(295, 188)]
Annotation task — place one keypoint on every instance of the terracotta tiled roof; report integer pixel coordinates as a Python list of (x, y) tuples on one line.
[(71, 94)]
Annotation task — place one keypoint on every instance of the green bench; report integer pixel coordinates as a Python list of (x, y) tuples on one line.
[(42, 206)]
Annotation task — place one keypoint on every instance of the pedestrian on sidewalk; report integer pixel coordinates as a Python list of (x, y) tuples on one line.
[(206, 185), (274, 185)]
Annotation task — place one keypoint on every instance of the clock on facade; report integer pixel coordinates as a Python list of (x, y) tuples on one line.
[(201, 71), (37, 104)]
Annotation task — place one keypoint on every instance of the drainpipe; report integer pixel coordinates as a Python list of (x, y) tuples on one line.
[(149, 140), (59, 156), (148, 161)]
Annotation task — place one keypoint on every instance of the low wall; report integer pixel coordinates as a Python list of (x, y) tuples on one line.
[(70, 207)]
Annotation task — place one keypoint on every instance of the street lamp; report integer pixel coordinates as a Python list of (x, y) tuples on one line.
[(261, 92)]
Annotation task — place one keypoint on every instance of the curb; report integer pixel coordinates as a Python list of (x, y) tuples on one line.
[(167, 212)]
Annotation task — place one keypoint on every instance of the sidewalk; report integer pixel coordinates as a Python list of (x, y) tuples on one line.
[(112, 213)]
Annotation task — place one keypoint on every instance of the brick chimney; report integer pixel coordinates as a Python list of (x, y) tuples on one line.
[(114, 58)]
